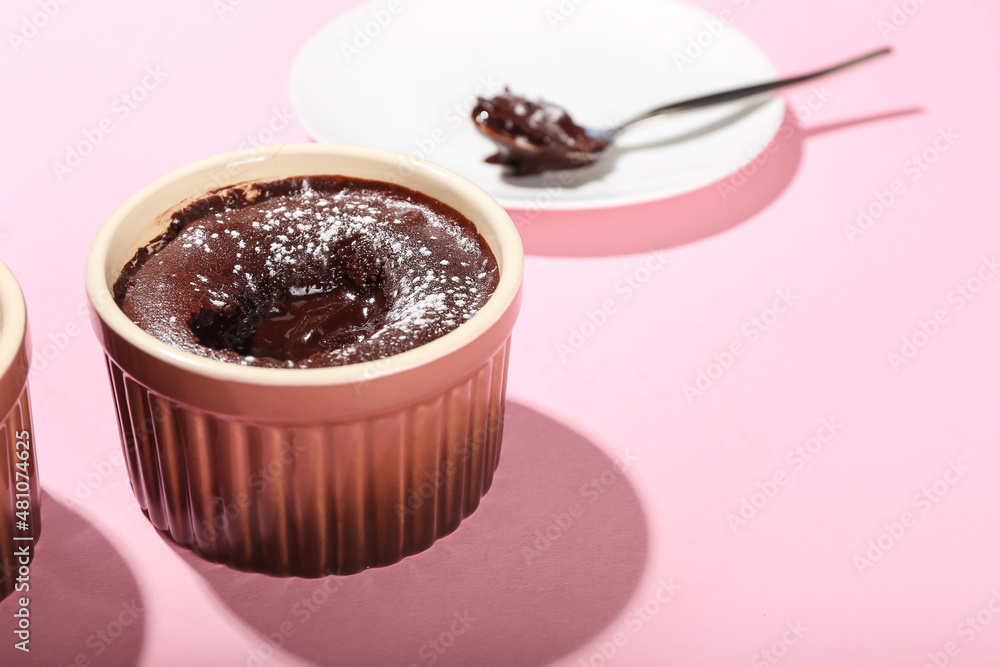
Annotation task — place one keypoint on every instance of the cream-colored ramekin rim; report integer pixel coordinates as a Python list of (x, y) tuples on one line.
[(13, 319), (506, 293)]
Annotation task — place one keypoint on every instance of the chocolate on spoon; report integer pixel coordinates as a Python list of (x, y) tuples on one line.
[(534, 136), (537, 136)]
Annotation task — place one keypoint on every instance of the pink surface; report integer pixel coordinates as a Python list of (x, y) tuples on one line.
[(873, 540)]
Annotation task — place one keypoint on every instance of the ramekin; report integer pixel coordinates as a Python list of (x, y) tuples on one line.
[(20, 521), (308, 472)]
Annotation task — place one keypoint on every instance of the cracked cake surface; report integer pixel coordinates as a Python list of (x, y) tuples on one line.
[(309, 271)]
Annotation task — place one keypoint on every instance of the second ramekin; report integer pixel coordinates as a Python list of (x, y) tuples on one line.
[(20, 521), (308, 472)]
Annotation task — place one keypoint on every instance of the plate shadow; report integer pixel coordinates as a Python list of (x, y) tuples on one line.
[(686, 218)]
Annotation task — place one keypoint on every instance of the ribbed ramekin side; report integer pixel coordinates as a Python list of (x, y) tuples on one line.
[(313, 499), (19, 491)]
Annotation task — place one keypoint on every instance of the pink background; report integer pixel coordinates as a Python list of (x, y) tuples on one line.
[(655, 561)]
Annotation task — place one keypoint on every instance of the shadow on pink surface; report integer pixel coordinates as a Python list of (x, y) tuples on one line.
[(85, 606), (552, 555), (684, 219)]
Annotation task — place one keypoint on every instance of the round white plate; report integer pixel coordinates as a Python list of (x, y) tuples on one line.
[(404, 75)]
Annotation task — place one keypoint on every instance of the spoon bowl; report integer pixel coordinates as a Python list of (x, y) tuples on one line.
[(537, 136)]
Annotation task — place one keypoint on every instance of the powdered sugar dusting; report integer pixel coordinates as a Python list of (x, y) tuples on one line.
[(429, 267)]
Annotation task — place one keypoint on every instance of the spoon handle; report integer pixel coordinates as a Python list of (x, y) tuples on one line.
[(750, 91)]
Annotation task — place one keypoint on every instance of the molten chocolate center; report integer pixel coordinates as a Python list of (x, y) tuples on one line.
[(309, 271)]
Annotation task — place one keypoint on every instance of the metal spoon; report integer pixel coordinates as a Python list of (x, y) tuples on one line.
[(526, 156)]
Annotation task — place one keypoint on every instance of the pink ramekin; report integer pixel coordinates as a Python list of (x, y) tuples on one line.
[(20, 522), (308, 472)]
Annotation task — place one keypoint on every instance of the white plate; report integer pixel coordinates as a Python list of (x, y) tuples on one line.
[(404, 74)]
